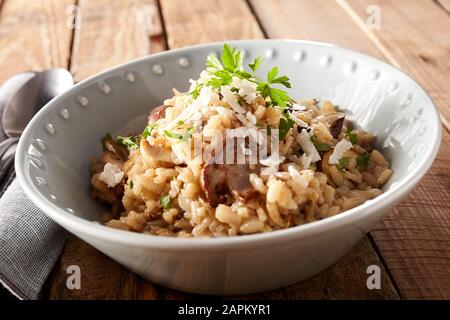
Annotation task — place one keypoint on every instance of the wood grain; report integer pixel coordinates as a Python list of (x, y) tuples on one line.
[(33, 35), (444, 4), (414, 239), (112, 32), (333, 283), (344, 280), (205, 21), (418, 39)]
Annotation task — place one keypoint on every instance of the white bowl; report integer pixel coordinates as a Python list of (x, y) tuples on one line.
[(54, 152)]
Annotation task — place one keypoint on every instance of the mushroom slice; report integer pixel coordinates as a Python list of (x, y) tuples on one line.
[(213, 182), (217, 180), (238, 181), (155, 155), (157, 113), (335, 121)]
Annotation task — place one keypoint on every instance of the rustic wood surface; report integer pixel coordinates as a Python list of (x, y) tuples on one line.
[(411, 244)]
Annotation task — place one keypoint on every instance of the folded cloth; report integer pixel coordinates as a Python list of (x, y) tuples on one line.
[(30, 244)]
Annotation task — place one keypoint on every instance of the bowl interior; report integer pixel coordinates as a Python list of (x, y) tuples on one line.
[(58, 145)]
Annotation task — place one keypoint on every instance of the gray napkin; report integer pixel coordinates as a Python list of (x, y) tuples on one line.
[(30, 244)]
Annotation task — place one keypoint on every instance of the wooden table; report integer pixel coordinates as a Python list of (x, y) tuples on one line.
[(411, 245)]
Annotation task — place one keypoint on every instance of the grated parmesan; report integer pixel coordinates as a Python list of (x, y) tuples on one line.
[(304, 139), (339, 150), (111, 175)]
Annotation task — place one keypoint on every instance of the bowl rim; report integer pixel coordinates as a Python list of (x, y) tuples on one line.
[(80, 226)]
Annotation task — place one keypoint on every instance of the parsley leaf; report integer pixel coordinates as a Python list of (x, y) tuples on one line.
[(231, 58), (196, 91), (352, 137), (148, 131), (363, 161), (256, 63), (282, 80), (230, 65), (286, 123), (279, 97), (131, 184), (343, 162), (272, 74), (184, 136), (165, 202), (213, 63), (131, 142), (321, 147)]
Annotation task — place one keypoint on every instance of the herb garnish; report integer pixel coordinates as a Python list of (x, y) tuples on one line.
[(230, 65), (131, 184), (285, 125), (131, 142), (165, 202), (343, 162), (363, 161), (321, 147), (352, 137), (148, 131), (184, 136)]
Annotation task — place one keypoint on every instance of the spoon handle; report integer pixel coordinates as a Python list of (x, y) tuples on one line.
[(7, 162), (9, 177)]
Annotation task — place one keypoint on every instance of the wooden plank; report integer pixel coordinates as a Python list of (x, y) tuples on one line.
[(33, 35), (112, 32), (417, 39), (101, 277), (444, 4), (200, 21), (318, 20), (401, 241), (418, 249), (341, 281)]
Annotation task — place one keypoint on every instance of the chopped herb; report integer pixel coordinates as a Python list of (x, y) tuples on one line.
[(148, 131), (321, 147), (196, 91), (363, 161), (352, 137), (129, 142), (343, 162), (107, 137), (180, 122), (131, 184), (286, 123), (256, 63), (185, 136), (165, 202)]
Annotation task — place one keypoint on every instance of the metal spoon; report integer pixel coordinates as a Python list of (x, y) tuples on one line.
[(28, 100), (7, 91)]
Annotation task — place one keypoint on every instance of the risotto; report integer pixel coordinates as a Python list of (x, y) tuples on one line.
[(236, 155)]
